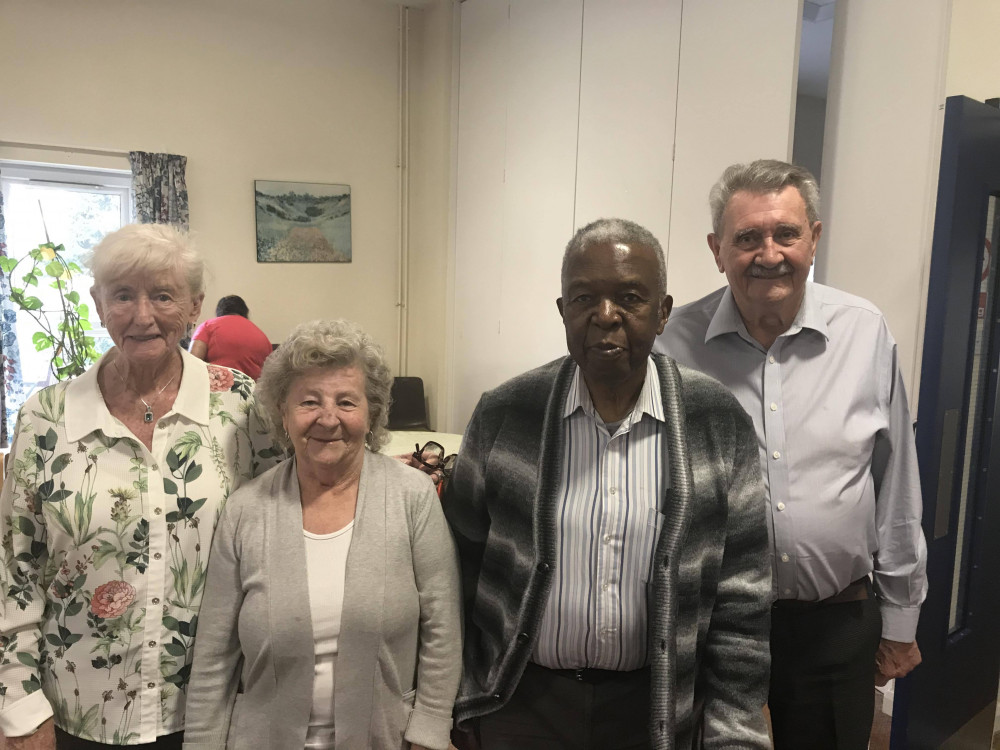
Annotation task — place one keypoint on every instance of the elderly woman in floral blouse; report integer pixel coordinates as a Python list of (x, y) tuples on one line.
[(115, 483)]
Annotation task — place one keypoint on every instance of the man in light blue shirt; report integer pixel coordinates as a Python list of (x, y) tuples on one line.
[(817, 371)]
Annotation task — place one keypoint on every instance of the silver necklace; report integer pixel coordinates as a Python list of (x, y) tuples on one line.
[(148, 416)]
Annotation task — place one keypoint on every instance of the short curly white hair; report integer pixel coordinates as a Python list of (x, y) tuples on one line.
[(326, 344), (148, 249)]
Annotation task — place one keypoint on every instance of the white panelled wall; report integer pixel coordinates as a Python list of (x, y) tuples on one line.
[(570, 110), (881, 152)]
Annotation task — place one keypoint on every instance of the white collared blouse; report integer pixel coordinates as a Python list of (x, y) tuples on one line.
[(105, 550)]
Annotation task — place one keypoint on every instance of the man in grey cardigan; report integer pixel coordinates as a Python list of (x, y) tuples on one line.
[(609, 514)]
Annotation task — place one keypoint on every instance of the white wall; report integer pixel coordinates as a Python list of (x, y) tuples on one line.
[(570, 110), (246, 89), (973, 62), (735, 103), (880, 165), (429, 175)]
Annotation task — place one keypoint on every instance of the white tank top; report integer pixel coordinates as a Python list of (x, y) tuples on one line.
[(326, 567)]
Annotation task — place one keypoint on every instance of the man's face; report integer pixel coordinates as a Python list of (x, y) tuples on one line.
[(612, 311), (765, 249)]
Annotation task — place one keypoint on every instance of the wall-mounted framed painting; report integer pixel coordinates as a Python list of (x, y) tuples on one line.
[(302, 222)]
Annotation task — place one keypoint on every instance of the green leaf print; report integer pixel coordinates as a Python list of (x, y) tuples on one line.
[(62, 461), (187, 446), (24, 525), (169, 486), (52, 401)]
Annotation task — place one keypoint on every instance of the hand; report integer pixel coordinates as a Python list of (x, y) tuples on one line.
[(436, 475), (43, 738), (895, 659)]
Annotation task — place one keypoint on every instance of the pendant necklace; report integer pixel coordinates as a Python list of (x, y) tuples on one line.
[(148, 416)]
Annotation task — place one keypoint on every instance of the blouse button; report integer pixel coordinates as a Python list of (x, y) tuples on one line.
[(776, 454), (157, 511), (156, 600), (151, 685), (155, 467), (157, 556), (152, 644)]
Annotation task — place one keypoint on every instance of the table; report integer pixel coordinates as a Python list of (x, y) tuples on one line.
[(404, 441)]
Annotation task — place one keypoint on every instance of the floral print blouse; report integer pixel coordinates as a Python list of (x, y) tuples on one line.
[(104, 551)]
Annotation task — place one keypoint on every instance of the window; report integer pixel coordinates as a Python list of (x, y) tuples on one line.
[(76, 207)]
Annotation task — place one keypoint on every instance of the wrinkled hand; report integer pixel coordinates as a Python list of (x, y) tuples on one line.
[(895, 659), (436, 476), (43, 738)]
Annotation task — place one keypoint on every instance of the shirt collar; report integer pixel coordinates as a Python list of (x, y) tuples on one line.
[(649, 401), (86, 412), (727, 317)]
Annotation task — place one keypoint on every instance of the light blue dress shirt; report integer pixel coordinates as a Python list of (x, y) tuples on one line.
[(836, 443)]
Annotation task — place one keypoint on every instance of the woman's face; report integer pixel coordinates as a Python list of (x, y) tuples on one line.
[(326, 417), (147, 314)]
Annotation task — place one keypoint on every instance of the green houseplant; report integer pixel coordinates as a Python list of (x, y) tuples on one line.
[(64, 330)]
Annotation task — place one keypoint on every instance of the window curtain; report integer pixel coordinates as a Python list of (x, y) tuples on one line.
[(12, 392), (159, 188)]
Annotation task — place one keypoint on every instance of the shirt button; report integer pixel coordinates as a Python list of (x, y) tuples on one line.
[(156, 600), (613, 490), (607, 538), (774, 406), (157, 556), (155, 467), (784, 557), (606, 586), (771, 359), (157, 511), (781, 506), (151, 685), (152, 644), (788, 591), (776, 454)]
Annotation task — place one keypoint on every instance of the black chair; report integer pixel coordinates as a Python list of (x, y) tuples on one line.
[(408, 410)]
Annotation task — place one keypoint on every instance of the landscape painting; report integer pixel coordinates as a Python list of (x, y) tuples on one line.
[(302, 222)]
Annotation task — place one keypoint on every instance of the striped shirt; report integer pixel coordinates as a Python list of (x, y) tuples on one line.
[(608, 520)]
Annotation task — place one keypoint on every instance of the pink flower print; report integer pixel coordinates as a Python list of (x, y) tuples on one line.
[(220, 378), (111, 599)]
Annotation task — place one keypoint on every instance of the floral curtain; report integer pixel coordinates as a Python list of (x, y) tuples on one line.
[(159, 188), (12, 392)]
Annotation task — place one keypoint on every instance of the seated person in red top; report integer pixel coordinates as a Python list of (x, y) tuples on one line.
[(230, 339)]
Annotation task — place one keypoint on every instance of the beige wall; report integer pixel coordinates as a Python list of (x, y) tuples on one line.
[(973, 59), (246, 89)]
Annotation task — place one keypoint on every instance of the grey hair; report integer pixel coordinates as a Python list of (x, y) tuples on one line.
[(146, 248), (611, 231), (326, 344), (760, 177)]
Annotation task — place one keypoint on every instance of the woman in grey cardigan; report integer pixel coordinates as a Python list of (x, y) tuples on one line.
[(331, 611)]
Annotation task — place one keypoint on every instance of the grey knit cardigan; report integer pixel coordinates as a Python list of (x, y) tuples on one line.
[(710, 597)]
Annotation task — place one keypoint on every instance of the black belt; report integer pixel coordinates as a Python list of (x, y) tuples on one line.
[(592, 676), (856, 591)]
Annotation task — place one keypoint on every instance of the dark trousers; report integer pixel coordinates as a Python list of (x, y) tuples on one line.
[(552, 709), (822, 693), (66, 741)]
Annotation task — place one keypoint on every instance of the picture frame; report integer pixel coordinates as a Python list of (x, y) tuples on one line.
[(302, 222)]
